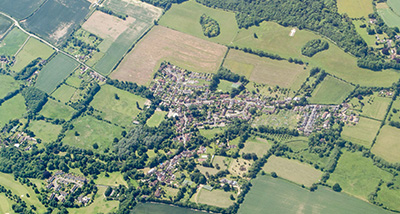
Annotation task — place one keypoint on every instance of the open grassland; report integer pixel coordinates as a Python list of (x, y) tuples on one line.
[(280, 196), (20, 9), (256, 145), (156, 119), (375, 106), (100, 204), (162, 209), (121, 111), (210, 133), (90, 131), (32, 50), (185, 17), (5, 24), (113, 179), (12, 42), (61, 19), (218, 198), (178, 48), (355, 8), (5, 204), (265, 70), (357, 175), (204, 170), (64, 93), (389, 197), (56, 110), (293, 170), (59, 68), (395, 5), (7, 85), (387, 144), (46, 131), (363, 133), (331, 91), (389, 17), (12, 109), (275, 38), (281, 119)]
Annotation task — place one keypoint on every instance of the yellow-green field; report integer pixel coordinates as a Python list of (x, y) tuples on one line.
[(156, 119), (355, 8), (46, 131), (387, 144), (12, 109), (217, 198), (32, 50), (56, 110), (363, 133), (331, 91), (7, 84), (256, 145), (64, 93), (113, 179)]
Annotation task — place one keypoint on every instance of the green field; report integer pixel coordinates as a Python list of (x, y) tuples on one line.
[(363, 133), (12, 109), (185, 17), (257, 145), (56, 110), (331, 91), (279, 196), (46, 131), (389, 197), (20, 9), (12, 42), (225, 86), (284, 118), (395, 5), (218, 198), (387, 144), (114, 179), (152, 208), (32, 50), (5, 204), (90, 131), (156, 119), (210, 133), (100, 205), (64, 93), (7, 84), (357, 175), (5, 24), (59, 68), (355, 8), (391, 19), (375, 106)]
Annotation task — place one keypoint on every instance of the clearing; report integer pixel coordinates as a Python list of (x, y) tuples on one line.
[(363, 133), (387, 144), (331, 91), (156, 119)]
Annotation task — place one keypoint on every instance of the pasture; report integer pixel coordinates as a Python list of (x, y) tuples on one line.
[(355, 8), (389, 17), (256, 145), (155, 208), (265, 70), (221, 161), (7, 85), (394, 113), (12, 42), (395, 5), (204, 170), (5, 24), (185, 17), (100, 204), (389, 197), (331, 91), (156, 119), (55, 71), (387, 144), (293, 170), (47, 132), (116, 105), (218, 198), (56, 110), (32, 50), (363, 133), (280, 196), (64, 93), (375, 106), (163, 44), (20, 9), (357, 175), (12, 109)]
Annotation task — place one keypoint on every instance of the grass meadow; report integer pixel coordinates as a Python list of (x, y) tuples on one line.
[(64, 93), (114, 179), (355, 8), (218, 198), (331, 91), (387, 144), (375, 106), (363, 133), (7, 85), (5, 204), (389, 17), (156, 119), (225, 86), (210, 133), (256, 145), (100, 204), (47, 132), (32, 50), (12, 109), (12, 42), (20, 9), (395, 5), (56, 110), (281, 119)]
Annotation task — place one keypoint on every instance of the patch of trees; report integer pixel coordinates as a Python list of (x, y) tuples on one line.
[(30, 69), (314, 46), (259, 53), (82, 105), (226, 74), (395, 124), (112, 13), (280, 130), (10, 95), (35, 99), (209, 25), (131, 87), (165, 4)]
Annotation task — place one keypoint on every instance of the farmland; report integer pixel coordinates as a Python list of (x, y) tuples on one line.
[(256, 145), (45, 131), (54, 109), (32, 50), (7, 84), (373, 106), (395, 5), (59, 68), (331, 91), (391, 19), (217, 198), (355, 8), (363, 133), (281, 119), (64, 93), (20, 9), (12, 42), (162, 209), (5, 24), (389, 196), (12, 109), (168, 45), (387, 144)]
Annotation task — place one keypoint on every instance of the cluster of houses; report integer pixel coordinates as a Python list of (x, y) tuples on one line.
[(6, 61)]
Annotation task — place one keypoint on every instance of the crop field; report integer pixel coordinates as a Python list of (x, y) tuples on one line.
[(56, 110), (100, 204), (331, 91), (153, 208), (114, 179), (185, 17), (32, 50), (265, 70), (88, 130), (47, 132), (357, 175), (275, 38), (363, 133), (64, 93), (12, 42), (355, 8), (387, 144), (395, 5), (375, 106), (163, 44), (156, 119), (61, 19), (20, 9), (293, 170), (257, 145), (55, 71), (389, 17), (5, 24), (120, 111), (218, 198), (280, 196), (12, 109), (281, 119), (7, 84)]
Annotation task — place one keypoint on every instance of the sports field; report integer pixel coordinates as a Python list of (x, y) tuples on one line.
[(55, 71), (156, 119), (31, 51), (12, 109), (293, 170), (47, 132), (180, 49), (387, 144), (256, 145), (355, 8), (391, 19), (265, 70), (56, 110), (7, 85), (280, 196), (100, 204), (20, 9), (64, 93), (5, 24), (363, 133), (12, 42), (331, 91)]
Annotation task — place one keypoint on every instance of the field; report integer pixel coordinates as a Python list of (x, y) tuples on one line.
[(7, 84), (275, 38), (210, 133), (12, 109), (293, 170), (20, 9), (60, 18), (265, 70), (281, 119), (355, 8), (56, 110), (178, 48), (363, 133), (32, 50), (391, 19), (90, 131), (5, 24), (121, 111), (209, 170), (395, 5), (64, 93), (375, 106), (156, 119), (389, 197), (221, 161), (55, 71), (114, 179), (100, 205), (280, 196), (12, 42), (331, 91), (5, 204), (357, 175), (47, 132), (224, 86), (258, 146), (152, 208), (387, 144), (185, 17), (239, 166), (218, 198)]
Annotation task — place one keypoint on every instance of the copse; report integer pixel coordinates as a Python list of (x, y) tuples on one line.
[(210, 26), (314, 46)]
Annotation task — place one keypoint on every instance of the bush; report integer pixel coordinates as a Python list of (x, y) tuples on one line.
[(336, 187), (274, 175)]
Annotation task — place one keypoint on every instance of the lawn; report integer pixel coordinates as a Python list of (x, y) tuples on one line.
[(355, 8), (32, 50), (389, 17), (121, 111), (210, 133), (256, 145), (387, 144), (7, 85), (100, 204), (280, 196), (185, 17), (56, 110), (331, 91), (357, 175), (12, 109), (363, 133), (47, 132), (59, 68), (153, 208), (293, 170), (284, 118), (218, 198), (156, 119), (114, 179), (12, 42)]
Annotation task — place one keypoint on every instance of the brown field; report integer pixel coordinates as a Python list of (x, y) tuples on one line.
[(163, 44)]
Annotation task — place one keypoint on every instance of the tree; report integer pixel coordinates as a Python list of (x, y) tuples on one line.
[(95, 146), (108, 191), (232, 198), (336, 187), (274, 175)]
